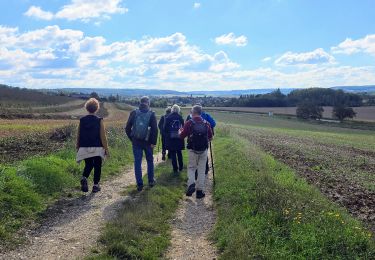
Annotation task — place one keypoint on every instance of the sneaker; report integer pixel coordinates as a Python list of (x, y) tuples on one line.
[(84, 186), (190, 190), (200, 194), (96, 188), (139, 187), (152, 183)]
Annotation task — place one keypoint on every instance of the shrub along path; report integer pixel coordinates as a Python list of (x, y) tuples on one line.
[(74, 225), (191, 227)]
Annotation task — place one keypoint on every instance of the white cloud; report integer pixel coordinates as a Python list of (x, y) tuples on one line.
[(318, 56), (52, 57), (37, 12), (266, 59), (349, 46), (83, 10), (231, 39), (197, 5)]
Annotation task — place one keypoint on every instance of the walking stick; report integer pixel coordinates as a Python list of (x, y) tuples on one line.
[(157, 158), (212, 163)]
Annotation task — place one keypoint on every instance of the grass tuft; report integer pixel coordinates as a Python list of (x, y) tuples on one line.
[(142, 229)]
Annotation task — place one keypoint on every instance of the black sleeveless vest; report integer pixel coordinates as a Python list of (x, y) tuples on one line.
[(89, 131)]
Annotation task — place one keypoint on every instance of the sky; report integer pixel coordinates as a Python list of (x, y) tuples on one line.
[(187, 45)]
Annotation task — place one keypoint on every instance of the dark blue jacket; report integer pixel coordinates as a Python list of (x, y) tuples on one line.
[(173, 144)]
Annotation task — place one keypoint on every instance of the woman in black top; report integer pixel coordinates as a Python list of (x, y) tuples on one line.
[(174, 144), (92, 144)]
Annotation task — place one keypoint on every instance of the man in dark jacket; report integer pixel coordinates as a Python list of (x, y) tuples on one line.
[(174, 144), (142, 130), (161, 126)]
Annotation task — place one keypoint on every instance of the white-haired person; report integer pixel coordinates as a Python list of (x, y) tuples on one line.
[(92, 144), (173, 143)]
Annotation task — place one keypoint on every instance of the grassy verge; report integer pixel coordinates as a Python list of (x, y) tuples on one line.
[(141, 229), (29, 186), (266, 211)]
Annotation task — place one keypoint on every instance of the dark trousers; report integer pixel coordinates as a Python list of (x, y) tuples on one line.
[(93, 163), (138, 155), (177, 155)]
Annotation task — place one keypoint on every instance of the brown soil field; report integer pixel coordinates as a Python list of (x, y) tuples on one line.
[(344, 174), (363, 113)]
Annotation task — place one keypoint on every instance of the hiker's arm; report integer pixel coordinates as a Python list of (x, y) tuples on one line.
[(210, 134), (103, 136), (78, 136), (161, 124), (129, 125), (184, 132), (154, 130)]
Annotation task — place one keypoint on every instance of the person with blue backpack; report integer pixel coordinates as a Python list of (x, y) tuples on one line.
[(142, 130), (173, 143)]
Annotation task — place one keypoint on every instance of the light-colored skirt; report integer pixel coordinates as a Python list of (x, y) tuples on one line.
[(88, 152)]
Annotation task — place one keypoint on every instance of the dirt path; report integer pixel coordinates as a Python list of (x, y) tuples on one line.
[(74, 225), (192, 224)]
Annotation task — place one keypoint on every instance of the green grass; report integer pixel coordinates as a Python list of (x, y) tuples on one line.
[(142, 229), (27, 187), (266, 212)]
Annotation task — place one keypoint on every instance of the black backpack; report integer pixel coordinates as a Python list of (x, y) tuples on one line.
[(173, 127), (198, 139)]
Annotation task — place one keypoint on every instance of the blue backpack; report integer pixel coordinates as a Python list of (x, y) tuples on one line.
[(141, 129), (173, 128)]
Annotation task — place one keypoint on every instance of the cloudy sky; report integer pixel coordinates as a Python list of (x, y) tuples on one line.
[(187, 45)]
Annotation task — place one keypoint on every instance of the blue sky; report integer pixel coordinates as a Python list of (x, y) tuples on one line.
[(208, 44)]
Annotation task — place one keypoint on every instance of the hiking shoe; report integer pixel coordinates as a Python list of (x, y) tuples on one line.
[(190, 190), (152, 183), (84, 186), (96, 188), (200, 194), (139, 187), (163, 157), (181, 169)]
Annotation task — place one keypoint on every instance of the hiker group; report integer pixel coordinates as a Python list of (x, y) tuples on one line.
[(142, 129)]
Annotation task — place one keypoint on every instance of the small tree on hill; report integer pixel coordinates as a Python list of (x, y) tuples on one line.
[(341, 112), (309, 110), (94, 95)]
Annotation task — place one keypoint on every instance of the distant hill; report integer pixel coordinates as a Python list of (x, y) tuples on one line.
[(160, 92), (122, 92), (228, 93), (20, 97), (370, 88)]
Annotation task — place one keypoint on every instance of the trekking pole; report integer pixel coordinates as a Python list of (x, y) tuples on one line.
[(212, 163), (157, 158)]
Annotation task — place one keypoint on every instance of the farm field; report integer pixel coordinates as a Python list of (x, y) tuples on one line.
[(363, 113), (339, 161), (320, 173)]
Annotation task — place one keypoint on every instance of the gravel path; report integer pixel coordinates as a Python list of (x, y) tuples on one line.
[(74, 225), (192, 224)]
